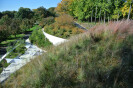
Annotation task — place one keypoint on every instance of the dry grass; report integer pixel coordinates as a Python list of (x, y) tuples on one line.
[(121, 27)]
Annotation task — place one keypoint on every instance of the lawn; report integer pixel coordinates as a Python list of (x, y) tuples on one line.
[(11, 39)]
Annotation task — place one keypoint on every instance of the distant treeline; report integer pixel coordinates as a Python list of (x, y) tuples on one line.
[(15, 22), (97, 10)]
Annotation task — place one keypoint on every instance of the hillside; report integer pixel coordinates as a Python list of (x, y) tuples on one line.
[(99, 58)]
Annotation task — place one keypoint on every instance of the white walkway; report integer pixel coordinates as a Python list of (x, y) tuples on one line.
[(53, 39), (17, 63)]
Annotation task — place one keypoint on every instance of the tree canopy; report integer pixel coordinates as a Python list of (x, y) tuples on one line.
[(96, 10)]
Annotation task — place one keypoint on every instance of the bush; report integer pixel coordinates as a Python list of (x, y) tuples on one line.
[(47, 21), (62, 31), (63, 27), (64, 20), (3, 64), (39, 39), (36, 27)]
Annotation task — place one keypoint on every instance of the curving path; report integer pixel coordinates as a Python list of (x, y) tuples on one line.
[(53, 39)]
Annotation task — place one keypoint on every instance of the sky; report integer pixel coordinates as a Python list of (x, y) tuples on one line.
[(11, 5)]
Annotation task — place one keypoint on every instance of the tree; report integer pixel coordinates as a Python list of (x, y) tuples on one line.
[(5, 20), (1, 15), (4, 32), (51, 11), (40, 13), (10, 14), (127, 10), (15, 26), (5, 27), (117, 10), (63, 6), (130, 1), (26, 24), (24, 13)]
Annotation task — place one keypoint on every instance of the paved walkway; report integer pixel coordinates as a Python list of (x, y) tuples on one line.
[(19, 62), (80, 26), (53, 39)]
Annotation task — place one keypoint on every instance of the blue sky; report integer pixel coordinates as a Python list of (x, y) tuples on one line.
[(33, 4)]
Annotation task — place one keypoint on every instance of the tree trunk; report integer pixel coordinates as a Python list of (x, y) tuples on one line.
[(101, 19), (96, 14), (100, 15), (118, 17), (104, 16), (91, 15), (108, 19), (129, 12)]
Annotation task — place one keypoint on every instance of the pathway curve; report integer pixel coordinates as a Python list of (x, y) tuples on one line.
[(80, 26), (53, 39), (19, 62)]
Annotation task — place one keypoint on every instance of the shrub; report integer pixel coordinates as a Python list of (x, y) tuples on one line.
[(3, 64), (39, 39), (63, 27), (47, 21), (62, 31), (64, 20)]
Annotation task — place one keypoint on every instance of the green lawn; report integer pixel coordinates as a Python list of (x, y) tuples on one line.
[(11, 39), (33, 28)]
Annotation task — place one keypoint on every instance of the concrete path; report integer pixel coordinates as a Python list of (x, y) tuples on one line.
[(80, 26), (19, 62), (53, 39)]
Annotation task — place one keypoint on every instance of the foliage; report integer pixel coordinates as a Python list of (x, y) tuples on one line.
[(16, 22), (36, 27), (1, 15), (10, 14), (47, 21), (24, 13), (86, 10), (52, 11), (18, 51), (40, 13), (26, 24), (97, 59), (63, 27), (39, 39), (125, 9), (15, 26), (3, 64), (64, 20), (62, 7)]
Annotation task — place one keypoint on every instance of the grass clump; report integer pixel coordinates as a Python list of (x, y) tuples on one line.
[(91, 60), (37, 37)]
